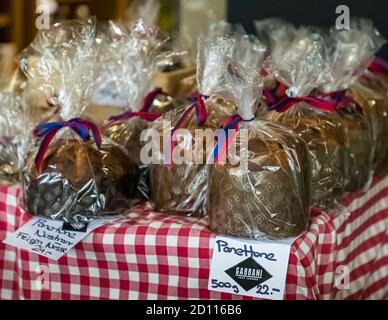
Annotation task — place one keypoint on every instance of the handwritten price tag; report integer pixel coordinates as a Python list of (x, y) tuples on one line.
[(251, 268), (47, 238)]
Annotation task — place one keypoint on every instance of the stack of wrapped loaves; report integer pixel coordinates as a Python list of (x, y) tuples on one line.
[(279, 122)]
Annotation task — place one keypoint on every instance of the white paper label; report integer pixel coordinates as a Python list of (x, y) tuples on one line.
[(47, 238), (107, 95), (249, 267)]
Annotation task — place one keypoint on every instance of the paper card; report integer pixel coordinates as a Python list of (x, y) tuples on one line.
[(47, 238), (108, 95), (249, 267)]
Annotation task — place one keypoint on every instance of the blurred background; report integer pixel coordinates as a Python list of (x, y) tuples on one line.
[(185, 19)]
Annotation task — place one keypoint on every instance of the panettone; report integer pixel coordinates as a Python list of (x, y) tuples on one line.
[(182, 188), (79, 181), (370, 96), (324, 135), (271, 198), (360, 148), (127, 133)]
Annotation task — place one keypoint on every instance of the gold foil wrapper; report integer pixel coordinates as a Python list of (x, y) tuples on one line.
[(79, 182), (183, 187), (272, 198)]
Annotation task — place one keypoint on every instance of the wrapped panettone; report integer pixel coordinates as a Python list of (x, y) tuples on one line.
[(73, 175), (181, 187), (360, 148), (77, 181), (15, 137), (272, 198), (300, 67), (132, 60), (260, 185), (370, 91), (324, 134), (370, 94), (351, 52)]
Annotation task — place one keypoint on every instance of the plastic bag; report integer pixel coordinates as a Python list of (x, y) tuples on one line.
[(148, 10), (249, 49), (276, 34), (110, 35), (181, 188), (351, 54), (15, 137), (269, 196), (301, 68), (133, 64), (375, 108), (73, 175)]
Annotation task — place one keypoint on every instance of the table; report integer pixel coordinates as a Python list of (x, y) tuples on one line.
[(148, 255)]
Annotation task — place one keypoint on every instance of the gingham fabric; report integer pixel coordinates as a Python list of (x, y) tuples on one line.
[(152, 256)]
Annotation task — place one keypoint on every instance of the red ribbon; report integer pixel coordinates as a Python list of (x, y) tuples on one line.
[(143, 113), (148, 116), (150, 98), (201, 113), (279, 101), (378, 66)]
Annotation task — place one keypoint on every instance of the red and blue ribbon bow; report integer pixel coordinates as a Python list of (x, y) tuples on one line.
[(378, 66), (200, 109), (199, 105), (277, 100), (143, 113), (48, 130)]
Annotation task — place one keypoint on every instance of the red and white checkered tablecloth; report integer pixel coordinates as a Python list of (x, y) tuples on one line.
[(152, 256)]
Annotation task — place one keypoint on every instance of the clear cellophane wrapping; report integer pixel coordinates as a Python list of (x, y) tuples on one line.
[(364, 118), (324, 134), (371, 95), (131, 64), (272, 198), (131, 61), (181, 188), (269, 196), (76, 181), (15, 137), (275, 31), (302, 66)]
